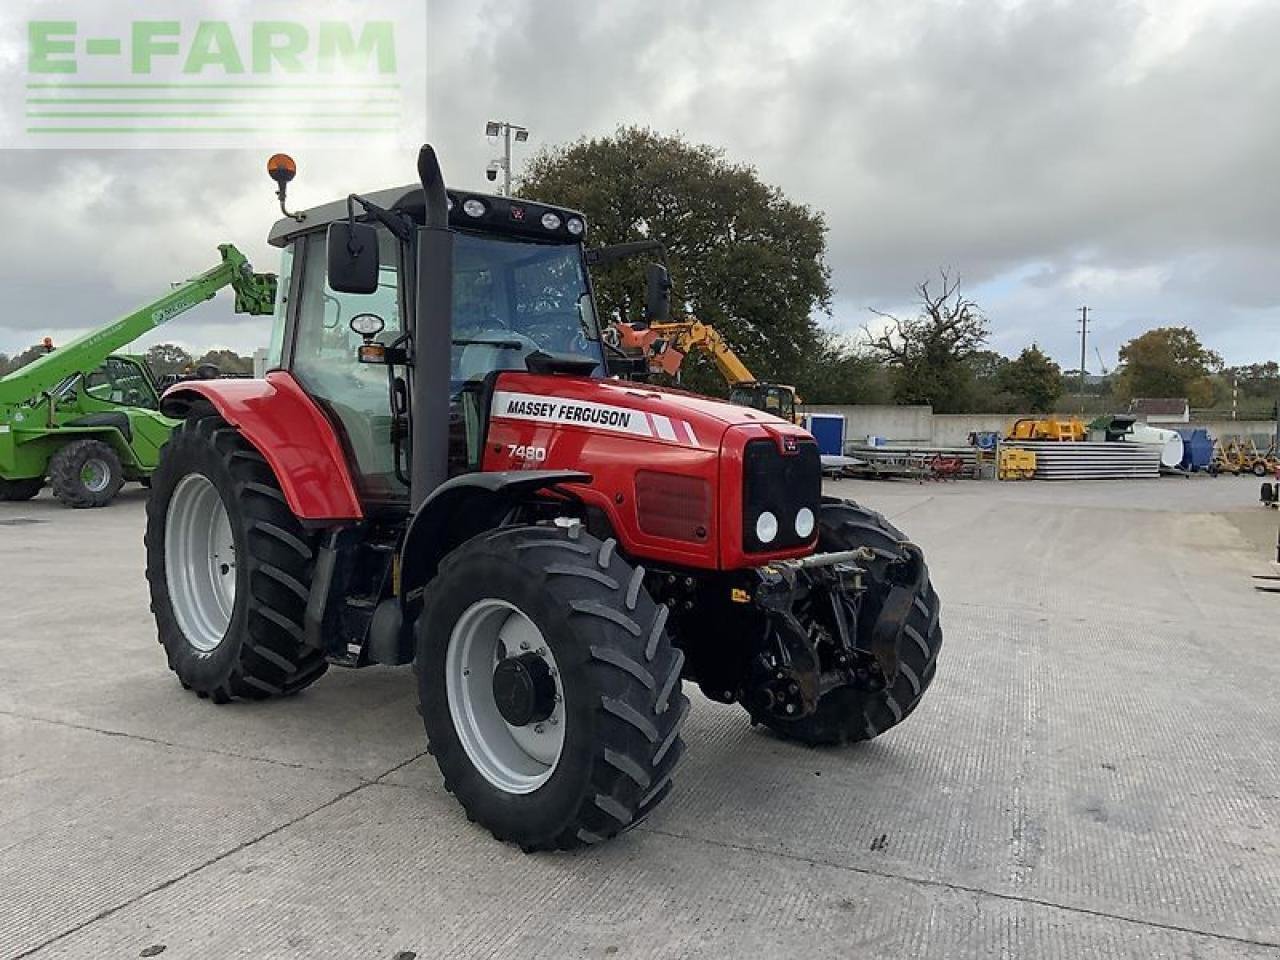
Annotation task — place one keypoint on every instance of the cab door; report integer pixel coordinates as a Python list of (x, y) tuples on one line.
[(322, 356)]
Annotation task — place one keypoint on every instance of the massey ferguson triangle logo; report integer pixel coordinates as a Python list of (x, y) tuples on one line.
[(789, 445)]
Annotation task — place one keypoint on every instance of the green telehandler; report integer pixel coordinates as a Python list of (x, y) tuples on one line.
[(87, 418)]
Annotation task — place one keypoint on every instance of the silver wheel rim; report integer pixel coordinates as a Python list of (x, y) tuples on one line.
[(516, 760), (200, 562), (95, 475)]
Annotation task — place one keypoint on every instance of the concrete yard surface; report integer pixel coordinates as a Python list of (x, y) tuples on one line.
[(1095, 772)]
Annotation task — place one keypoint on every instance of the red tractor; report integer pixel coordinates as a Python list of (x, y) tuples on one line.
[(439, 470)]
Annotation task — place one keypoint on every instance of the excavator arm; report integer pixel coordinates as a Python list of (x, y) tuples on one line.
[(665, 345), (697, 335), (254, 292)]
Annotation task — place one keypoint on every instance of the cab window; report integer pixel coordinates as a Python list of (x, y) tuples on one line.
[(120, 381), (324, 360), (512, 298)]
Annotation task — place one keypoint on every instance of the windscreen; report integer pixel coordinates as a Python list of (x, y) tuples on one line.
[(512, 298)]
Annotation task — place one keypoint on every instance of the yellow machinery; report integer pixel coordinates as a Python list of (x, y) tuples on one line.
[(1047, 428), (665, 345), (1015, 464), (1241, 455)]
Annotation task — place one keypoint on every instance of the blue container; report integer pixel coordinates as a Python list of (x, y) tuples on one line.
[(828, 430), (1197, 448)]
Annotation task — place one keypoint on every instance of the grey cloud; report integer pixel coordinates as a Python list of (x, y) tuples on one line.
[(1121, 154)]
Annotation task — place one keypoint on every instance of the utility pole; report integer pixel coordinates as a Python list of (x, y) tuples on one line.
[(506, 129), (1084, 337)]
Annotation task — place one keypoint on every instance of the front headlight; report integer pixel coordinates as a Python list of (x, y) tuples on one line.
[(804, 523), (766, 527)]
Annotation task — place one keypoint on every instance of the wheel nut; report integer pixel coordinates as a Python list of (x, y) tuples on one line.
[(791, 708)]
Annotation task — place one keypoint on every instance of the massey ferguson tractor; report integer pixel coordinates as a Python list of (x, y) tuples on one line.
[(440, 470)]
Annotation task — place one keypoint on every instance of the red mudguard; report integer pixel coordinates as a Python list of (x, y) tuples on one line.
[(290, 431)]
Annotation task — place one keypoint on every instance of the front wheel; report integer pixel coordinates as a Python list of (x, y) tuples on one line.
[(849, 713), (229, 567), (549, 690), (85, 473)]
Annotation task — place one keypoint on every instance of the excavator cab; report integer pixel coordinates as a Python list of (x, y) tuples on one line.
[(775, 398)]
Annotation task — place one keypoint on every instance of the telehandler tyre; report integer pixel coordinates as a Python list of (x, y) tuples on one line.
[(845, 713), (229, 568), (85, 473), (15, 490), (549, 690)]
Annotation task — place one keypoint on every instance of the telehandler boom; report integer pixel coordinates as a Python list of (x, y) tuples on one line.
[(89, 419)]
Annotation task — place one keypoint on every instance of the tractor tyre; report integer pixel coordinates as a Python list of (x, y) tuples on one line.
[(549, 689), (229, 567), (847, 714), (14, 490), (85, 473), (1260, 468)]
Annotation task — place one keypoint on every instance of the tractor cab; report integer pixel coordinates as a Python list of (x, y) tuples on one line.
[(778, 399), (521, 299), (123, 380)]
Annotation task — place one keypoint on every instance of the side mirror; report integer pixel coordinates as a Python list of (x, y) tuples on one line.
[(353, 257), (657, 294)]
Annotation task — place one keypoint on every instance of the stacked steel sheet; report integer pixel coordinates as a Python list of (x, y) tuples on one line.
[(1058, 460)]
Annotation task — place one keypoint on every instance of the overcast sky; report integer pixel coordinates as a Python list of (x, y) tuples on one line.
[(1120, 155)]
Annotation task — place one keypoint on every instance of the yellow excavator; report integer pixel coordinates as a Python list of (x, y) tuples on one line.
[(664, 346)]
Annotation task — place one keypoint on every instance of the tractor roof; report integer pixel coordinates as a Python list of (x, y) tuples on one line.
[(501, 215)]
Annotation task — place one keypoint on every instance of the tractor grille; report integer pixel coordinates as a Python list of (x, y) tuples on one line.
[(782, 484)]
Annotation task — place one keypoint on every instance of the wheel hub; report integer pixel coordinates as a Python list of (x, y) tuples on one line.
[(95, 475), (524, 689), (505, 696), (200, 562)]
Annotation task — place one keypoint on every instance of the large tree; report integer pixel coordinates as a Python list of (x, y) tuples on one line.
[(22, 359), (930, 352), (167, 358), (1033, 380), (227, 361), (1168, 362), (842, 372), (743, 257)]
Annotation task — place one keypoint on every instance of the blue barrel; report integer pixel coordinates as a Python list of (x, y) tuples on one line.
[(1197, 448)]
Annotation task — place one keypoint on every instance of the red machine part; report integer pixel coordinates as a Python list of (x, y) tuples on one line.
[(628, 437), (278, 417), (622, 433)]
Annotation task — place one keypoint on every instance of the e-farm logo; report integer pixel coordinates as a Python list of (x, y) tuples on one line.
[(277, 73)]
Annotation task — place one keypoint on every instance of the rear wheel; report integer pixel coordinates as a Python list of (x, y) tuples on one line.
[(549, 690), (85, 473), (1260, 468), (848, 713), (229, 568), (20, 489)]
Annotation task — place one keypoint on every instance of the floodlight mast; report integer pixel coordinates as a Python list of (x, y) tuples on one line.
[(505, 129)]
